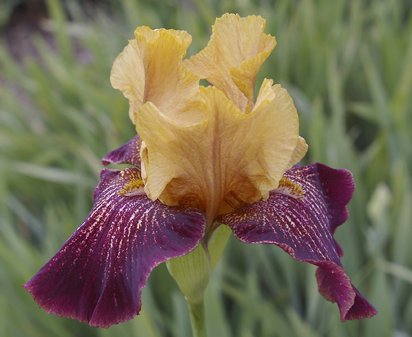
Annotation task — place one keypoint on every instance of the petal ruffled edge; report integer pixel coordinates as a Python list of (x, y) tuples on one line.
[(237, 48), (300, 217), (335, 285), (299, 152), (98, 274), (151, 69)]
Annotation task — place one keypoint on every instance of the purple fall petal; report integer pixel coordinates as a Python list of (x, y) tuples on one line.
[(301, 217), (128, 153), (98, 274)]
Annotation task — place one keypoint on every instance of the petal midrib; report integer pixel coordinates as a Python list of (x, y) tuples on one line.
[(215, 183)]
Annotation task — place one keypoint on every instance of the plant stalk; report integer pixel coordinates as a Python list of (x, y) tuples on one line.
[(197, 318)]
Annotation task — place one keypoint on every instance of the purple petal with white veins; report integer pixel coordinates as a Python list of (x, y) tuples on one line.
[(128, 153), (300, 217), (98, 274)]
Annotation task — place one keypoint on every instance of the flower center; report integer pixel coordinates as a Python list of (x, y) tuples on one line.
[(225, 158), (134, 185)]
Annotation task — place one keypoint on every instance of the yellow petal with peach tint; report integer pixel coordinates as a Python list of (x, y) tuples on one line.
[(227, 155), (151, 69), (299, 152), (127, 76), (233, 56)]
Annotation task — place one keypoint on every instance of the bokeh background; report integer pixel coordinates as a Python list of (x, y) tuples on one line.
[(348, 66)]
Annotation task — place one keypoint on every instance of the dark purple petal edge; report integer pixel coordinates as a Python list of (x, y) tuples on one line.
[(303, 226), (338, 186), (98, 274), (128, 153)]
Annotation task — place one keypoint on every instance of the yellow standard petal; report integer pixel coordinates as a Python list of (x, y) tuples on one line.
[(150, 69), (226, 158), (234, 55)]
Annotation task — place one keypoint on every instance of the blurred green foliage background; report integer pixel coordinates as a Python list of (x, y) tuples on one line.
[(348, 65)]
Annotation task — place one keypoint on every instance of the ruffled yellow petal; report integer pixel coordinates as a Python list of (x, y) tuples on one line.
[(299, 152), (227, 156), (266, 93), (150, 69), (126, 76), (233, 56)]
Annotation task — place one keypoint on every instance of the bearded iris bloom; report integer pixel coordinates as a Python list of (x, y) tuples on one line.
[(203, 157)]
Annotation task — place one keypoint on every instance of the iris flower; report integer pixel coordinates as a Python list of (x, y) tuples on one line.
[(203, 157)]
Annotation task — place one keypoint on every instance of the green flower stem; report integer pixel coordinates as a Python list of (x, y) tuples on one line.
[(192, 273), (197, 318)]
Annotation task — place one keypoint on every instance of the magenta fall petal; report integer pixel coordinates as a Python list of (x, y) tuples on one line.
[(303, 226), (98, 274)]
